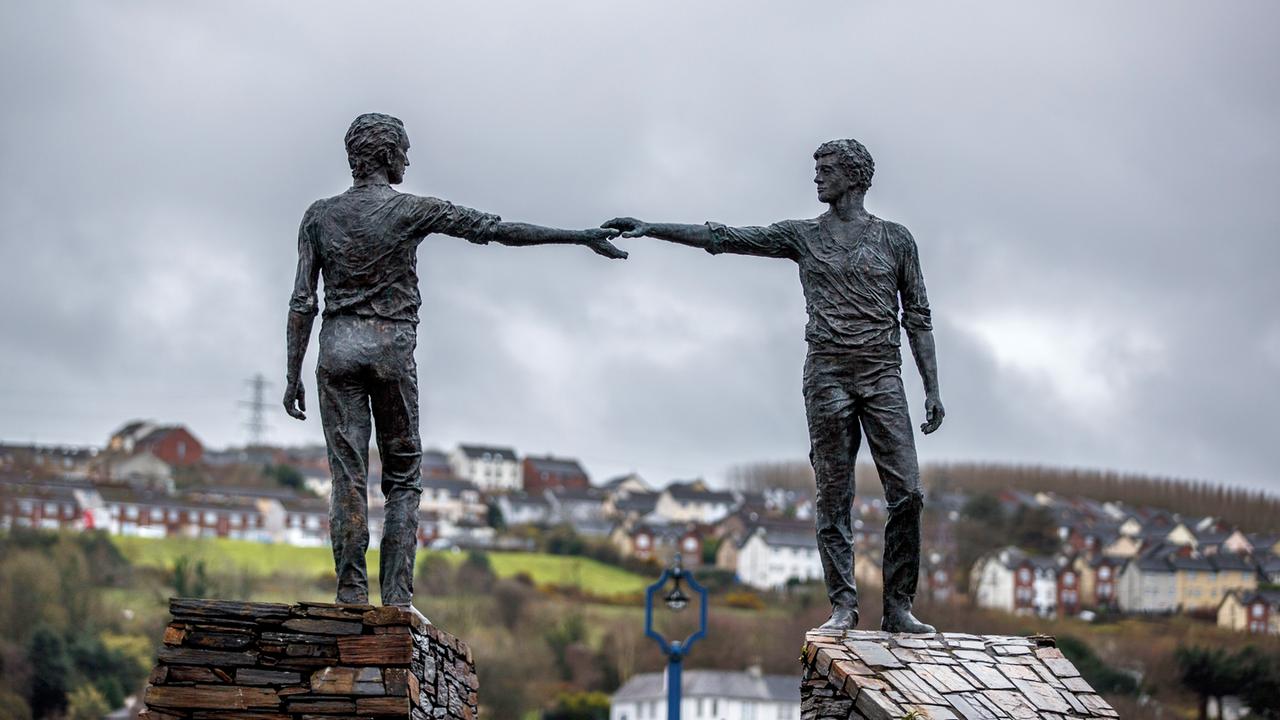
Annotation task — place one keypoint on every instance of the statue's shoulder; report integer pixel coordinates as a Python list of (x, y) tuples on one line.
[(897, 234)]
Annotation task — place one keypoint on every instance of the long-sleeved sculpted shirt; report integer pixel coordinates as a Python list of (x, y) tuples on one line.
[(851, 284), (365, 241)]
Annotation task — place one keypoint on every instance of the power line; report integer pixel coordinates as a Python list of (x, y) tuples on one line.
[(257, 404)]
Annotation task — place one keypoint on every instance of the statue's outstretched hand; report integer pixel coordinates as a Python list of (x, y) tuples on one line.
[(629, 226), (933, 414), (295, 400), (598, 240)]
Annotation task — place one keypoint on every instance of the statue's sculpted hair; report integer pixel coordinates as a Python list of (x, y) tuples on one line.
[(369, 138), (853, 159)]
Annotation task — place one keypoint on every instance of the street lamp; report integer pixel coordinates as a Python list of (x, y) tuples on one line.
[(675, 650)]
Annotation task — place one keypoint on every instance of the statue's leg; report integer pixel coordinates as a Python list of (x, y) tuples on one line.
[(394, 399), (833, 446), (344, 413), (887, 425)]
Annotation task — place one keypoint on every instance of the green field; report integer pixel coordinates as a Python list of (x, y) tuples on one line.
[(264, 560)]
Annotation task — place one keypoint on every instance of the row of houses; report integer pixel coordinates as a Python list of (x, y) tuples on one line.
[(450, 509), (1162, 579)]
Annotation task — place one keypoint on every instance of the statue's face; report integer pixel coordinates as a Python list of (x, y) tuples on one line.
[(831, 179), (398, 161)]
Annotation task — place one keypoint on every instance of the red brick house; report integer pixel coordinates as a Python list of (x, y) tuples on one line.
[(173, 444), (552, 473)]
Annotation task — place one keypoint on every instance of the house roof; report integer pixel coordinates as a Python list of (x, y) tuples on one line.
[(494, 452), (454, 486), (1270, 596), (784, 538), (577, 495), (1261, 540), (738, 685), (641, 503), (519, 499), (1232, 561), (1189, 562), (692, 492), (299, 504), (435, 459), (559, 466), (617, 482)]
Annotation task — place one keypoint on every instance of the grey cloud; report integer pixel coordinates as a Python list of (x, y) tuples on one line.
[(1093, 179)]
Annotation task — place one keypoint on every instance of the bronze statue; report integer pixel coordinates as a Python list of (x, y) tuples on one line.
[(364, 242), (854, 268)]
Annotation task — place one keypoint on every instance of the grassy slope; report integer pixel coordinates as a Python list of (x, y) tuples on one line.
[(242, 556)]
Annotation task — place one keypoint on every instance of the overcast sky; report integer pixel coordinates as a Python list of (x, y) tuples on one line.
[(1092, 185)]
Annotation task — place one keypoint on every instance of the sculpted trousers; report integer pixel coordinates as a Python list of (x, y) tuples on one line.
[(366, 371), (847, 396)]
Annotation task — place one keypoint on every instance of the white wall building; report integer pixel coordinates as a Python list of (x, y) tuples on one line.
[(1015, 582), (520, 508), (1148, 584), (693, 502), (710, 695), (492, 469), (767, 560), (452, 499)]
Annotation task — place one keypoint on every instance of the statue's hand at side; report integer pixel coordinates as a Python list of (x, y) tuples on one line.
[(933, 414), (598, 240), (295, 400)]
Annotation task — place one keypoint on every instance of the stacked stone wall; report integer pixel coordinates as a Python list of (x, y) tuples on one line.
[(310, 661)]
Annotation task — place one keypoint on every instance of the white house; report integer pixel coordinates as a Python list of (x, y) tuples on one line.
[(768, 559), (492, 469), (1148, 584), (452, 499), (520, 508), (1015, 582), (693, 502), (710, 695)]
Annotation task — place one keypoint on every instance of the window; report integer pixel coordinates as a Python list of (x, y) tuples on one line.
[(1104, 573), (1024, 575), (173, 516), (210, 517), (157, 514), (1258, 610), (131, 512), (50, 509)]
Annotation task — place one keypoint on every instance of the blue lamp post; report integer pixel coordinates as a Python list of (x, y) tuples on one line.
[(675, 650)]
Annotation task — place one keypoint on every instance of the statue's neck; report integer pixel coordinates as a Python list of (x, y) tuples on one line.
[(377, 177), (849, 207)]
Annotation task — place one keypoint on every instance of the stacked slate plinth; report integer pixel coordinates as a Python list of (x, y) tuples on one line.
[(312, 661), (864, 675)]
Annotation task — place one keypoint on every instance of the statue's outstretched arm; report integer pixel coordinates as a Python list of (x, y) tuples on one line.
[(522, 234), (698, 236)]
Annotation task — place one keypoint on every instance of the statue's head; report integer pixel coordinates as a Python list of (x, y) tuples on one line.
[(841, 166), (377, 142)]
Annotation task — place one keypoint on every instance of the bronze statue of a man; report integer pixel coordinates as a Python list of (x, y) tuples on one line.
[(364, 243), (854, 268)]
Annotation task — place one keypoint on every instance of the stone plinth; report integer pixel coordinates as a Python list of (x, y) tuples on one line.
[(865, 675), (223, 659)]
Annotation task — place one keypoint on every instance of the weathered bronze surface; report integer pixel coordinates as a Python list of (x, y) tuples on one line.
[(364, 244), (857, 271)]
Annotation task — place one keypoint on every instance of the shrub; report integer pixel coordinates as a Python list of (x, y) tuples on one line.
[(744, 600)]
